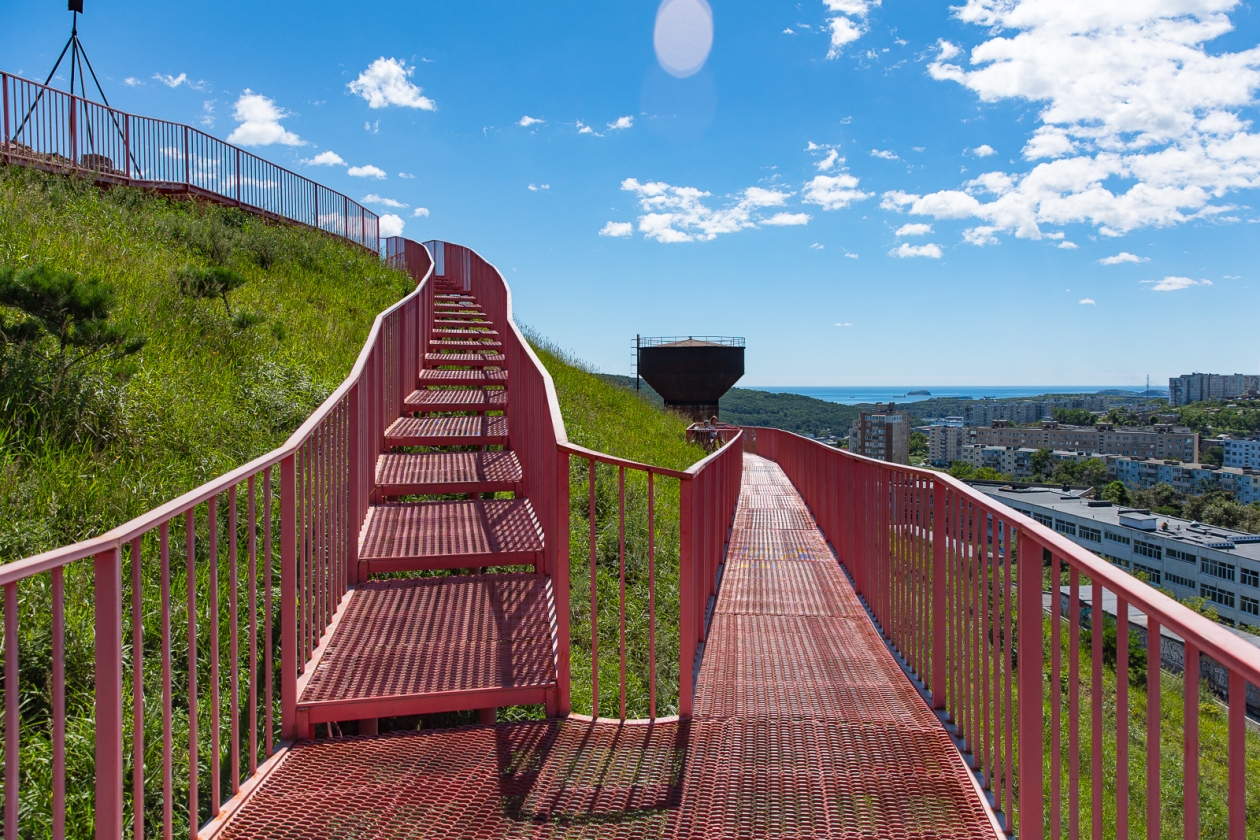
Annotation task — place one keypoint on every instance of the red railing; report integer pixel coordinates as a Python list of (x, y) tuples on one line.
[(289, 522), (49, 129), (940, 567)]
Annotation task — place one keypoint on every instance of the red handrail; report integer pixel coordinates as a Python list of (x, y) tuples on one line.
[(46, 128), (939, 565)]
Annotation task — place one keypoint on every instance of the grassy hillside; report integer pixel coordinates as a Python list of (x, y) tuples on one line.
[(205, 393), (603, 415)]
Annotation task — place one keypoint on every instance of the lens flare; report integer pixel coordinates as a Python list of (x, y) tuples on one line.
[(683, 36)]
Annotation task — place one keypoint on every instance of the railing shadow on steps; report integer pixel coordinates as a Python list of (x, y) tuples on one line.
[(939, 564), (166, 654)]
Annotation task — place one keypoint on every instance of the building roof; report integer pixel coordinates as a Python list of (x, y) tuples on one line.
[(1191, 534)]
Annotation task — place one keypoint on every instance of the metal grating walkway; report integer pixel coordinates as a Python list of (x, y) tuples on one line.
[(805, 727)]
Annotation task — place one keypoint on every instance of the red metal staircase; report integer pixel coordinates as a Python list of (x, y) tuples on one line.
[(420, 645)]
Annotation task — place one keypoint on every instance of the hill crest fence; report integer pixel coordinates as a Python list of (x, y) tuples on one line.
[(49, 129)]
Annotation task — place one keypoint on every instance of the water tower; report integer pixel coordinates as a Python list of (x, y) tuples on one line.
[(691, 373)]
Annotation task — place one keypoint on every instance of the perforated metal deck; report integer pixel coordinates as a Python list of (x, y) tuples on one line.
[(805, 727), (450, 535)]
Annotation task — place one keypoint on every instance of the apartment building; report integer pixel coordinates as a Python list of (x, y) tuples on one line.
[(1191, 559), (883, 433), (1020, 412), (945, 444), (1200, 387), (1159, 441), (1242, 454), (1010, 460), (1139, 474)]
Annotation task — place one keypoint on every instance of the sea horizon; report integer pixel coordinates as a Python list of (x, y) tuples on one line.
[(858, 394)]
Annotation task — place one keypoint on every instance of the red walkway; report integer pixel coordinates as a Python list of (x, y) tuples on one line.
[(804, 727)]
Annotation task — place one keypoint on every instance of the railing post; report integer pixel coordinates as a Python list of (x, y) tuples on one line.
[(1029, 668), (187, 181), (939, 599), (288, 598), (74, 136), (4, 82), (238, 177), (127, 145), (686, 596), (109, 687), (353, 485), (560, 581)]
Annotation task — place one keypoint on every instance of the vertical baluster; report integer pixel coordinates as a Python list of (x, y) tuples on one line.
[(594, 597), (12, 721), (137, 694), (168, 796), (253, 629), (190, 545), (621, 557), (1190, 746), (1056, 698), (1097, 625), (1237, 756), (234, 671), (651, 516), (1074, 703), (268, 663), (216, 749), (1122, 719), (1154, 657)]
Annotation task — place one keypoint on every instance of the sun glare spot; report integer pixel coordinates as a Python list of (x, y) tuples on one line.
[(683, 36)]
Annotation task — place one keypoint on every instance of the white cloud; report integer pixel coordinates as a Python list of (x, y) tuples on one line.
[(679, 214), (781, 219), (829, 161), (851, 255), (386, 82), (1088, 302), (391, 225), (259, 119), (834, 192), (407, 176), (328, 158), (843, 31), (885, 154), (527, 121), (583, 128), (1123, 257), (817, 246), (621, 123), (907, 250), (420, 212), (1067, 246), (1174, 284), (175, 81), (789, 31), (373, 198), (617, 229), (859, 8), (537, 187), (368, 171), (1140, 124), (844, 324), (132, 81), (984, 150), (913, 229)]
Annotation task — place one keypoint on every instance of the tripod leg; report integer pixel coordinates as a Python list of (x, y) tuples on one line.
[(40, 95)]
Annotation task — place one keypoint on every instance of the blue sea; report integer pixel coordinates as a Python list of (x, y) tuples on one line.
[(879, 393)]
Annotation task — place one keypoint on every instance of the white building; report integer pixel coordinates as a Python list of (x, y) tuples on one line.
[(1199, 387), (1243, 454), (1137, 473), (1010, 460)]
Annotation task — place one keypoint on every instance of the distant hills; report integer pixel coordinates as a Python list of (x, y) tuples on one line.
[(807, 415)]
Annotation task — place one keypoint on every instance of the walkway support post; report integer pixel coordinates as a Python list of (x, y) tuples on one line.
[(109, 692), (1029, 664), (687, 591), (939, 600)]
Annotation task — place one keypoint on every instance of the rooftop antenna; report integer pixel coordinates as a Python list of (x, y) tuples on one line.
[(78, 61)]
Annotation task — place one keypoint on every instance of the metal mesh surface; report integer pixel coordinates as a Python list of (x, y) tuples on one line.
[(804, 727), (451, 529), (436, 428), (405, 637), (427, 400), (463, 377), (447, 468), (465, 358)]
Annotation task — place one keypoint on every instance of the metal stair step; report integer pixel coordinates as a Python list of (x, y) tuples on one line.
[(465, 358), (410, 536), (447, 431), (420, 646), (425, 399), (463, 377), (439, 331), (408, 473)]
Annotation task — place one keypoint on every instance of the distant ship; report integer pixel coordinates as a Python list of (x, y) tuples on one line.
[(920, 393)]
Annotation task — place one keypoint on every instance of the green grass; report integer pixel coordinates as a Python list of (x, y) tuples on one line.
[(606, 417), (202, 397)]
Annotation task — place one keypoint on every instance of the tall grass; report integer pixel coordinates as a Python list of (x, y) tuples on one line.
[(206, 394), (602, 416)]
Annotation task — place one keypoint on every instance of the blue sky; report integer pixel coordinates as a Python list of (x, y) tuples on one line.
[(999, 192)]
